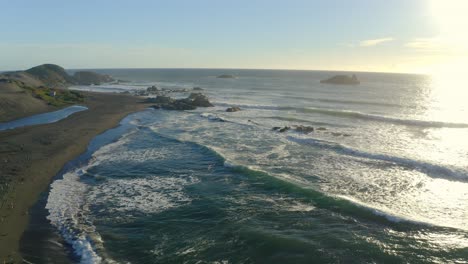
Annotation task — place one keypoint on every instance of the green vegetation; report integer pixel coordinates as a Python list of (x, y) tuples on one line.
[(62, 97)]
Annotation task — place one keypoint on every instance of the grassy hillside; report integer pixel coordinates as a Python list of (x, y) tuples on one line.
[(51, 75), (29, 92)]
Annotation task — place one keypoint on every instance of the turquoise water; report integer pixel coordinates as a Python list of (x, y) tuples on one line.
[(383, 181), (45, 118)]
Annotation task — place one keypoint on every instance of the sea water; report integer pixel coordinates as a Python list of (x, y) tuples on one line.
[(382, 179)]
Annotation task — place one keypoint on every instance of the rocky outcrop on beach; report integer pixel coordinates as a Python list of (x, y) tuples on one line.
[(200, 100), (193, 101), (342, 79), (225, 76), (89, 78), (233, 109)]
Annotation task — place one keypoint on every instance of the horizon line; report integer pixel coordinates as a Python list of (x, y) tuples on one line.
[(208, 68), (261, 69)]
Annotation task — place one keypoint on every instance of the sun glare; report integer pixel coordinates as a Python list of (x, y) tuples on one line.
[(451, 19), (451, 69), (452, 22)]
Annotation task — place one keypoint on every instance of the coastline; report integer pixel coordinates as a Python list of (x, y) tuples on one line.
[(33, 156)]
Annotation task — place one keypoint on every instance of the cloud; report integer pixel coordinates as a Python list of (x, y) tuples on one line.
[(423, 43), (374, 42), (437, 45)]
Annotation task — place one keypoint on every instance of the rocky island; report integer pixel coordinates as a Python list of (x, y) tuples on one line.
[(226, 76), (342, 80)]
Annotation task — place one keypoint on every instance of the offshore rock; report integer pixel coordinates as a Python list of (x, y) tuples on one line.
[(233, 109), (226, 76), (190, 103), (342, 80)]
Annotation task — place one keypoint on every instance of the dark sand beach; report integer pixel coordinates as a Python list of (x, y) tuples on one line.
[(32, 156)]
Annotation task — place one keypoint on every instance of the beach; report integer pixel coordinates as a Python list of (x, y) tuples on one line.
[(32, 156)]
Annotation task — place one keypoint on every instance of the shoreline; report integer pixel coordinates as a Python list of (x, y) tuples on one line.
[(33, 156), (42, 242)]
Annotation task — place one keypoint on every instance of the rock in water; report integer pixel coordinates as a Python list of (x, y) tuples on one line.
[(233, 109), (197, 89), (152, 89), (190, 103), (342, 79), (199, 99), (181, 104), (212, 117), (304, 129), (226, 76)]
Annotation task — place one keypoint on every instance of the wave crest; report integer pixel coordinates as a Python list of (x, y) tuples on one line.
[(433, 170)]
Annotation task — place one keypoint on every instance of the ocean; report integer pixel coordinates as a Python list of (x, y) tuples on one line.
[(382, 179)]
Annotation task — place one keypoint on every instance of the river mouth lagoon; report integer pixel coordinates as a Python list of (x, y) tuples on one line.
[(381, 178)]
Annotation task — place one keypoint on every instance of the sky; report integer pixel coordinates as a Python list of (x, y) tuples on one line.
[(414, 36)]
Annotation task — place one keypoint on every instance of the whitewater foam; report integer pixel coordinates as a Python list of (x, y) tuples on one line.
[(68, 213), (433, 170), (70, 198), (151, 194), (387, 214), (212, 117)]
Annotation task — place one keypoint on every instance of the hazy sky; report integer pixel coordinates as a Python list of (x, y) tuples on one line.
[(358, 35)]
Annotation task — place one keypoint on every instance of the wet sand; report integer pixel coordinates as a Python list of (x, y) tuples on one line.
[(30, 157)]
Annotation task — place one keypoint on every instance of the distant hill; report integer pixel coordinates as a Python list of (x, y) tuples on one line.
[(51, 75), (39, 89), (88, 78)]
